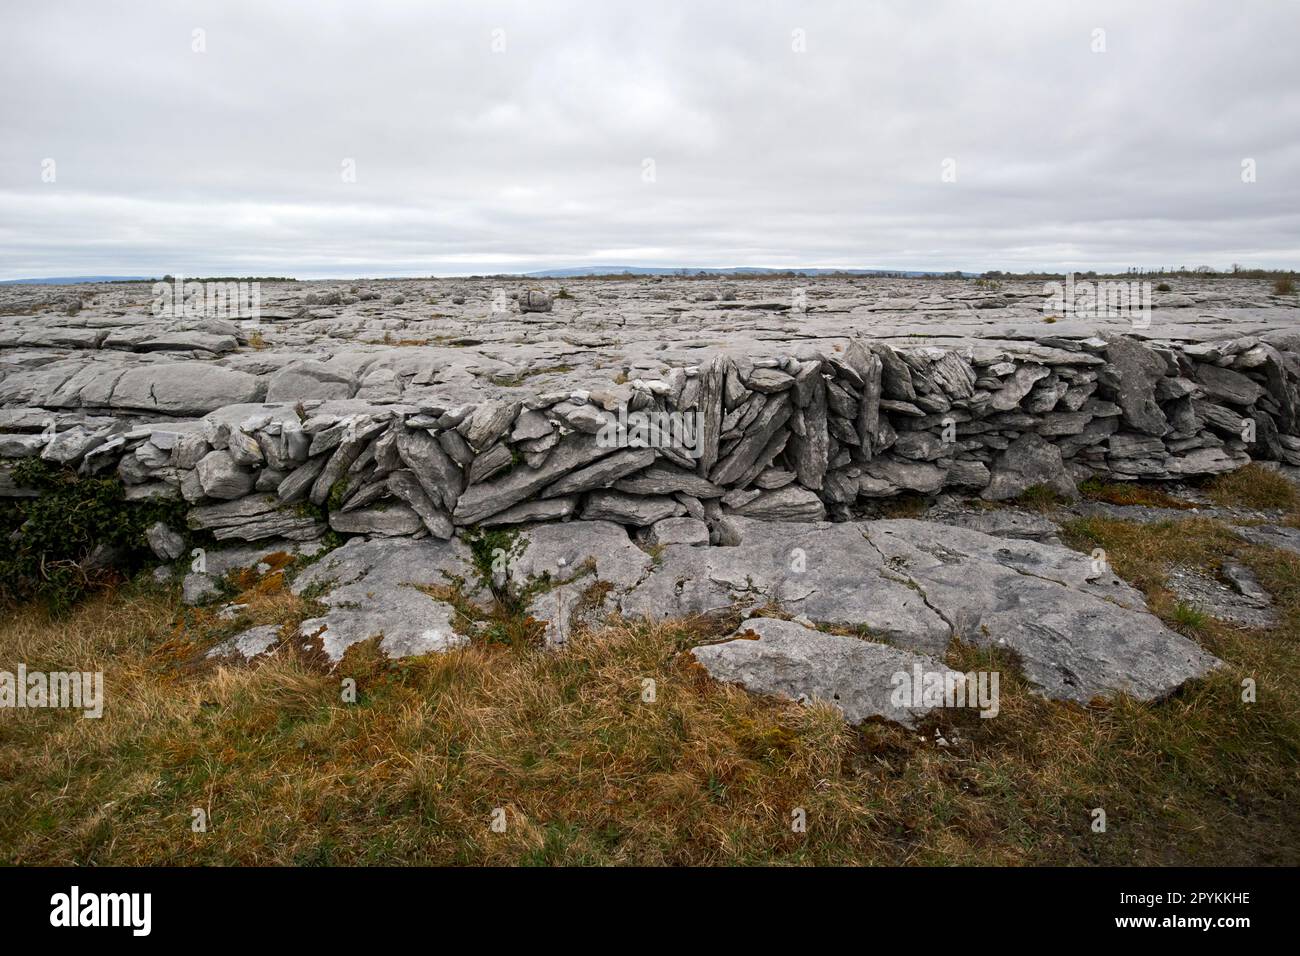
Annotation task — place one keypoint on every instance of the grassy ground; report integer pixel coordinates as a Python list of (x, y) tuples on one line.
[(584, 770)]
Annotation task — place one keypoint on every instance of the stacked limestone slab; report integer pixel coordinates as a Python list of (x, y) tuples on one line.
[(786, 421)]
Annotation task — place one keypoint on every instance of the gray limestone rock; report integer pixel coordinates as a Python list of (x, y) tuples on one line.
[(678, 531), (1027, 462), (896, 378), (486, 499), (1005, 523), (535, 300), (1225, 385), (386, 520), (868, 421), (490, 462), (830, 572), (372, 589), (69, 447), (1132, 375), (769, 381), (199, 588), (439, 476), (221, 477), (1238, 599), (749, 449), (1017, 387), (567, 552), (531, 425), (663, 478), (457, 449), (253, 518), (1282, 538), (357, 435), (1078, 630), (603, 473), (487, 423), (402, 484), (184, 388), (790, 503), (165, 543), (967, 474), (298, 482), (305, 380), (812, 448), (551, 509), (248, 644), (861, 678), (921, 477), (637, 510)]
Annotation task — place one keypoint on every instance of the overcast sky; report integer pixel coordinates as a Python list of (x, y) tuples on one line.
[(520, 136)]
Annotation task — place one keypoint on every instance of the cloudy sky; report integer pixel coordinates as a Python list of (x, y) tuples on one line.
[(390, 138)]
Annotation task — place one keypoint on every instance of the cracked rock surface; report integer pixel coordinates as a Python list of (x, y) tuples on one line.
[(1078, 631), (787, 659), (371, 589), (413, 407)]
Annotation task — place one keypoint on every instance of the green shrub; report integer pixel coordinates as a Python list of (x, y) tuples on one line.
[(78, 535)]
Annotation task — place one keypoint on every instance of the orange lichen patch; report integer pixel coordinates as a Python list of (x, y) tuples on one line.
[(252, 585), (278, 560)]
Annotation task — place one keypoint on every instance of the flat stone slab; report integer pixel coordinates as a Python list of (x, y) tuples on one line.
[(323, 340), (248, 644), (1282, 538), (371, 589), (201, 583), (829, 572), (566, 551), (787, 659), (573, 557), (1079, 631), (1242, 601)]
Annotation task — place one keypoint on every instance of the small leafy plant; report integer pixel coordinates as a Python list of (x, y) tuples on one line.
[(79, 534)]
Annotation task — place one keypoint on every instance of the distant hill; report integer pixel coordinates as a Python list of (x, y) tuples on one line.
[(738, 270), (574, 273), (76, 280)]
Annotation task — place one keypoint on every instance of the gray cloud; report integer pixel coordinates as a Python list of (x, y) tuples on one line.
[(470, 160)]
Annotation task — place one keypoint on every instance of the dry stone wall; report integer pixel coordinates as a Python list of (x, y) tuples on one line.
[(786, 437)]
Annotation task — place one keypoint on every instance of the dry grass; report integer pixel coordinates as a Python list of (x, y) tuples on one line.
[(1131, 493), (588, 772), (907, 504), (1038, 498), (1254, 486)]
